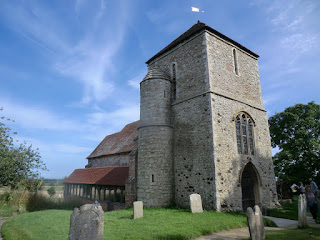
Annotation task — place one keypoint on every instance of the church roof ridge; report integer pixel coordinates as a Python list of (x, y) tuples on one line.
[(115, 176), (119, 142), (196, 28)]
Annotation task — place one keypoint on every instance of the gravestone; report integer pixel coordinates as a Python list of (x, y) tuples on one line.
[(137, 209), (87, 223), (255, 223), (302, 211), (195, 203)]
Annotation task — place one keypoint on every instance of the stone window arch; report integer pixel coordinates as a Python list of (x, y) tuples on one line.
[(245, 133)]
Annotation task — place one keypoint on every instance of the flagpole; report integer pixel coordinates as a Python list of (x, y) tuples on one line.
[(197, 10)]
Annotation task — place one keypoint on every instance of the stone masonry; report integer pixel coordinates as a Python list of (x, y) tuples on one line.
[(194, 89)]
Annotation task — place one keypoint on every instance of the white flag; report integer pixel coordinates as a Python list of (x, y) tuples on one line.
[(195, 9)]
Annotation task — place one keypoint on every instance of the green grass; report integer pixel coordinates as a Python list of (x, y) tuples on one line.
[(269, 223), (295, 234), (289, 211), (156, 224), (6, 211)]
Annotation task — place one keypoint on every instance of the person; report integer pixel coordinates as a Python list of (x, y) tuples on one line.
[(301, 188), (312, 203), (314, 188)]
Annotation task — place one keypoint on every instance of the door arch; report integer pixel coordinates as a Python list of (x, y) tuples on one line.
[(250, 187)]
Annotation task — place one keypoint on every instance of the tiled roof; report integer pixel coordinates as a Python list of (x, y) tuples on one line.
[(115, 176), (120, 142), (198, 27)]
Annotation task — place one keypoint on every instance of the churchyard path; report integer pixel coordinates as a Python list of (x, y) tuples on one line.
[(2, 220), (243, 233)]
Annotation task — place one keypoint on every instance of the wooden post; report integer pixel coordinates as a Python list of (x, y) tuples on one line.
[(99, 192), (109, 197), (121, 196), (115, 194)]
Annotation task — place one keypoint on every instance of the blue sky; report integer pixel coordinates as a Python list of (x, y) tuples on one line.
[(70, 69)]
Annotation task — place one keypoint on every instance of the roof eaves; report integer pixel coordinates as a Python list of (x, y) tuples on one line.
[(195, 29)]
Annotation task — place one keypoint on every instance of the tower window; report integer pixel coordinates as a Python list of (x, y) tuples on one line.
[(235, 62), (174, 81), (152, 178), (244, 133)]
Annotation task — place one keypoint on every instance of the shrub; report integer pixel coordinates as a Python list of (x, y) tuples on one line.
[(51, 191), (38, 202)]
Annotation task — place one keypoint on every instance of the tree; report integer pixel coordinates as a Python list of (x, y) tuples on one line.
[(296, 132), (18, 162), (51, 191)]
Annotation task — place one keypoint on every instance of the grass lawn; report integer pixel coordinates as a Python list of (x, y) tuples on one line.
[(289, 211), (295, 234), (156, 224), (6, 211)]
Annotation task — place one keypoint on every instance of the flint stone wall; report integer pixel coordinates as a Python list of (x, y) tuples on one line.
[(154, 168), (121, 159), (209, 95), (192, 134)]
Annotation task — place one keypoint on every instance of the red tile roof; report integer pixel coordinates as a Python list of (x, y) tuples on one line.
[(115, 176), (198, 27), (120, 142)]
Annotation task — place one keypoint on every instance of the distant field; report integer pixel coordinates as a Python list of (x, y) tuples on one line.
[(59, 191)]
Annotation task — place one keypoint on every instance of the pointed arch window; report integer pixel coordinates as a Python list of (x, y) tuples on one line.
[(245, 134)]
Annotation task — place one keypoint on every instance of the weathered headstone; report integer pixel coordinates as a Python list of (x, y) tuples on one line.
[(255, 223), (260, 223), (302, 211), (195, 203), (87, 223), (19, 209), (137, 209)]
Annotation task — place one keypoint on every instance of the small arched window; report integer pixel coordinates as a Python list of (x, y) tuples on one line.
[(235, 61), (244, 132), (174, 81)]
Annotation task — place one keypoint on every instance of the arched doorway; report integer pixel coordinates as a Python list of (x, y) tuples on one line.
[(249, 187)]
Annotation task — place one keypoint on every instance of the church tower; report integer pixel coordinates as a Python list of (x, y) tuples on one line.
[(203, 127), (155, 176)]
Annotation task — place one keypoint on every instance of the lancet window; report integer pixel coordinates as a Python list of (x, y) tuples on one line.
[(174, 81)]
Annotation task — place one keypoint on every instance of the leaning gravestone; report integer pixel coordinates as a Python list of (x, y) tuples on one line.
[(137, 209), (302, 211), (255, 223), (87, 223), (195, 203)]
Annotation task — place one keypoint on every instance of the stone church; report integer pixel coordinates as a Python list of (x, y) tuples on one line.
[(203, 129)]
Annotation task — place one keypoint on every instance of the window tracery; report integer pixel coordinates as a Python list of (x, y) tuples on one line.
[(245, 134)]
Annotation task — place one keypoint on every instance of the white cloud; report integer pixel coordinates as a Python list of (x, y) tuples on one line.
[(118, 117), (300, 43), (135, 82), (88, 60), (66, 148), (35, 117)]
